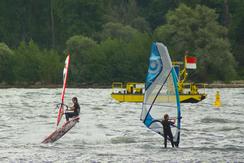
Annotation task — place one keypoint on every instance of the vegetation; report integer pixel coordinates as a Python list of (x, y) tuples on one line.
[(197, 31), (110, 40)]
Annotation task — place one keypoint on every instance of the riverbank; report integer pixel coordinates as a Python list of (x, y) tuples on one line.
[(224, 85), (36, 86), (233, 84)]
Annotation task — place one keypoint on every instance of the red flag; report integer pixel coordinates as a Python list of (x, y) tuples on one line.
[(191, 62)]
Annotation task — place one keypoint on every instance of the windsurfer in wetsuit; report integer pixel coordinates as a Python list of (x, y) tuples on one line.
[(167, 130), (74, 110)]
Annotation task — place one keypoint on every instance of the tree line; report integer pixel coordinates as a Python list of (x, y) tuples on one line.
[(110, 40)]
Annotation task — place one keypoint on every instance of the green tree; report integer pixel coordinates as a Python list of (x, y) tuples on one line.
[(126, 12), (6, 55), (25, 20), (118, 31), (78, 47), (51, 68), (154, 11), (27, 63), (116, 59), (77, 17), (141, 24), (138, 51), (196, 30), (237, 32), (105, 61), (122, 11)]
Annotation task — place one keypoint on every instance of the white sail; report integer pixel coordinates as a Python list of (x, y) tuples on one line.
[(161, 92)]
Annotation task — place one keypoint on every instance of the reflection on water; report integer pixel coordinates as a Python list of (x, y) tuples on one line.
[(112, 131)]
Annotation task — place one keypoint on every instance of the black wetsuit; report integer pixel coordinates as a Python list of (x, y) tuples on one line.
[(73, 114), (167, 132)]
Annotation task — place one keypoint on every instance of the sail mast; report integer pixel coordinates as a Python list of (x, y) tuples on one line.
[(161, 87), (65, 77)]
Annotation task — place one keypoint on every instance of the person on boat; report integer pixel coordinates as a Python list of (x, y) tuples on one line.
[(166, 122), (74, 110)]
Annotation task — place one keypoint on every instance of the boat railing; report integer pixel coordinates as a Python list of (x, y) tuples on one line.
[(188, 87), (127, 88), (117, 88)]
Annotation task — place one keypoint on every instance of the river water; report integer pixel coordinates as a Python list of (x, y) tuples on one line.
[(109, 131)]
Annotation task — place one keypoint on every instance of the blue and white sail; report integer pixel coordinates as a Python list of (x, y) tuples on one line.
[(161, 92)]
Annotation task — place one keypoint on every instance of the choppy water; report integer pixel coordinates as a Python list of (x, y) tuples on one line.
[(112, 132)]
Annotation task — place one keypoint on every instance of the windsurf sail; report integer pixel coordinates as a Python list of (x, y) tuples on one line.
[(65, 76), (161, 92)]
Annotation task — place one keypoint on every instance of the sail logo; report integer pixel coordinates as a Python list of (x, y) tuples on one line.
[(155, 65), (154, 69)]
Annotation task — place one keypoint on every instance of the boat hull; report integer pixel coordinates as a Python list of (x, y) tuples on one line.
[(184, 98)]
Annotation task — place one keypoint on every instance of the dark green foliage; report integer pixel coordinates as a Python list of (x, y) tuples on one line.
[(33, 65), (109, 40), (237, 34), (117, 30), (6, 57), (51, 67), (79, 47), (74, 17), (196, 30), (155, 10), (27, 62), (25, 20), (120, 57)]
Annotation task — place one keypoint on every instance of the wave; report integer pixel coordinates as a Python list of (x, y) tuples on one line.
[(101, 126), (123, 139), (97, 108), (214, 120), (219, 120), (224, 148), (229, 128), (43, 116)]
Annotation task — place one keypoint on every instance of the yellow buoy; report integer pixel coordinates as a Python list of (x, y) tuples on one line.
[(217, 102)]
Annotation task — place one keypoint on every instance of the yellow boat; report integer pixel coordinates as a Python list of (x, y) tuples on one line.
[(134, 91), (131, 92)]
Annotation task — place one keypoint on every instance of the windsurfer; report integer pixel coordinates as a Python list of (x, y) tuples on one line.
[(167, 130), (74, 110)]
